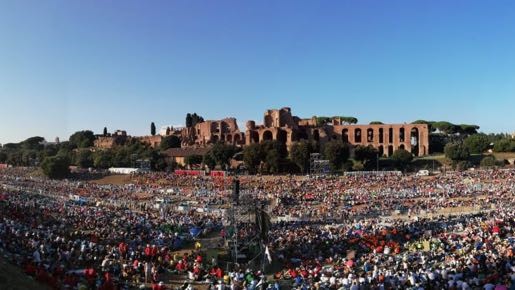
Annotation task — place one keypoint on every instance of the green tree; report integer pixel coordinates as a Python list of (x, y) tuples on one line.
[(477, 143), (29, 157), (15, 158), (152, 129), (33, 143), (445, 127), (376, 123), (158, 161), (170, 141), (402, 158), (56, 167), (123, 157), (456, 152), (337, 153), (252, 157), (437, 143), (504, 145), (189, 121), (273, 161), (82, 139), (3, 157), (349, 120), (300, 154), (209, 161), (193, 159), (84, 158), (196, 119), (65, 152), (273, 154), (11, 146), (468, 129), (221, 153), (366, 154), (102, 159), (105, 131)]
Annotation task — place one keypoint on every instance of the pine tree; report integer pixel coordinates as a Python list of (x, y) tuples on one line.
[(152, 129)]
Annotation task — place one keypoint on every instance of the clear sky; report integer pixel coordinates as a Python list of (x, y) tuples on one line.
[(73, 65)]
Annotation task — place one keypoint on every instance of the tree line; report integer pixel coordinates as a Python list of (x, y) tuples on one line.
[(269, 157)]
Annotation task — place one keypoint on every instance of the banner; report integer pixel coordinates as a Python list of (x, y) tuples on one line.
[(189, 172)]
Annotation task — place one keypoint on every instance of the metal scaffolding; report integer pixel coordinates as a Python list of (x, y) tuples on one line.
[(317, 165), (245, 210)]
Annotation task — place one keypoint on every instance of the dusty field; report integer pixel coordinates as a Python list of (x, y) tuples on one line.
[(113, 179)]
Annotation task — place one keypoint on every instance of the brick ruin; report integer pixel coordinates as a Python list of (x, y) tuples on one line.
[(281, 125), (118, 138), (212, 131)]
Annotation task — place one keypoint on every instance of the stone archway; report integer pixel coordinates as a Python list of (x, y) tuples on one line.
[(381, 135), (268, 136), (345, 135), (228, 138), (415, 141), (237, 139), (254, 137), (390, 150)]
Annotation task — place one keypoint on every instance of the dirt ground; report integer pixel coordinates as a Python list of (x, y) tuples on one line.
[(118, 179)]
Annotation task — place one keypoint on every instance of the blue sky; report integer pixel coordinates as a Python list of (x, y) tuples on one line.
[(73, 65)]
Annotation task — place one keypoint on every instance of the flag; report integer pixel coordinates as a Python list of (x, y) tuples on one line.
[(268, 256)]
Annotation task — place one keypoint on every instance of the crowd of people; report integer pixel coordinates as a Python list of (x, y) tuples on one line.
[(449, 231)]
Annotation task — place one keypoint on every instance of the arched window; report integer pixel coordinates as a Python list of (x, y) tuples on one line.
[(357, 135), (401, 135), (345, 135), (267, 136), (370, 135)]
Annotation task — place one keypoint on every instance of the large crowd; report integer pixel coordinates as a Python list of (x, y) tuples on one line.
[(449, 231)]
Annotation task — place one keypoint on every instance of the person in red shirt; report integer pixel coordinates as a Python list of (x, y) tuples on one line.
[(153, 251), (122, 247), (90, 274), (181, 266), (219, 273), (148, 251)]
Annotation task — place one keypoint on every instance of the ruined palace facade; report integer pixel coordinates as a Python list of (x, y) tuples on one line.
[(282, 126)]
